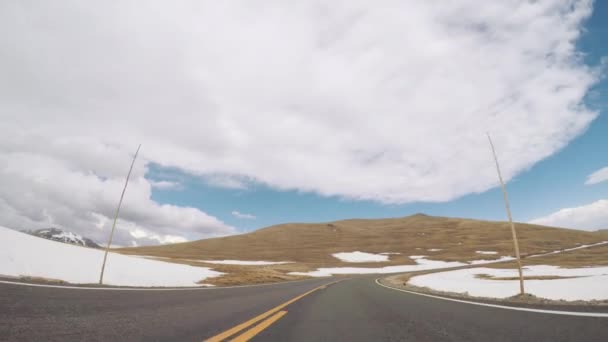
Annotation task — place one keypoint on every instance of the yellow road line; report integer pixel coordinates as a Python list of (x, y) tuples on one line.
[(249, 334), (236, 329)]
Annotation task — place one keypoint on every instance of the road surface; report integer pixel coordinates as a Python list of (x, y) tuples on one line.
[(355, 309)]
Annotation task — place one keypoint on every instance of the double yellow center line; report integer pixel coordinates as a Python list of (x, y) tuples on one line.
[(274, 313)]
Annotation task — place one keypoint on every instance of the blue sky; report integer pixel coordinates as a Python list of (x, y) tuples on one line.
[(551, 184)]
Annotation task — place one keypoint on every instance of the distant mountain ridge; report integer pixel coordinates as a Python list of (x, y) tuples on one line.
[(60, 235)]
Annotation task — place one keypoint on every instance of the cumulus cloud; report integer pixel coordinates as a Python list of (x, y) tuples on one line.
[(598, 176), (243, 216), (40, 189), (591, 216), (385, 101)]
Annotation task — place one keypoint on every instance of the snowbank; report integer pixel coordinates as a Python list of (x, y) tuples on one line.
[(591, 282), (421, 264), (25, 255), (360, 257)]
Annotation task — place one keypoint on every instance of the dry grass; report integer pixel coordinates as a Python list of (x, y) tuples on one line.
[(314, 243), (546, 277), (42, 280), (309, 246), (594, 256), (249, 275), (243, 274)]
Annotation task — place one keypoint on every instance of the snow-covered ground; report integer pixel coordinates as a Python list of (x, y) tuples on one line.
[(486, 252), (421, 264), (590, 282), (25, 255), (361, 257), (245, 262)]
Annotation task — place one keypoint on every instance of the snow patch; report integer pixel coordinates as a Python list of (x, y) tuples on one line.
[(26, 255), (591, 284), (421, 264), (434, 249), (360, 257), (389, 253), (486, 252)]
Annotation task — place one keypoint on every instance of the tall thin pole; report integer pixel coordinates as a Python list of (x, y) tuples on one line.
[(513, 232), (122, 195)]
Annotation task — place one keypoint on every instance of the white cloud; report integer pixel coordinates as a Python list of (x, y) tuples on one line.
[(226, 181), (591, 216), (384, 101), (45, 190), (243, 216), (165, 185), (598, 176)]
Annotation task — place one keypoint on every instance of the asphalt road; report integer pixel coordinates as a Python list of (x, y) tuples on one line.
[(350, 310)]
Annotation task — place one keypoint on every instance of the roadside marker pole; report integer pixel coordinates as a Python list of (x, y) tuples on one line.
[(504, 193), (105, 256)]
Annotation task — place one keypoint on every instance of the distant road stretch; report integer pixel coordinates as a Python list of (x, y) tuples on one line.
[(354, 309)]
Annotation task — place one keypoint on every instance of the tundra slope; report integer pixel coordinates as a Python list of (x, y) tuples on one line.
[(311, 245)]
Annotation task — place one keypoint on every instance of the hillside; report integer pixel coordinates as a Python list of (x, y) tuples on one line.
[(28, 257), (439, 238)]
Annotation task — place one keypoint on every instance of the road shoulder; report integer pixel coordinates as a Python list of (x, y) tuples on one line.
[(555, 307)]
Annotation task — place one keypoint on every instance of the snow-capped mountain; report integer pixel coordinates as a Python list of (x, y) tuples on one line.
[(57, 234)]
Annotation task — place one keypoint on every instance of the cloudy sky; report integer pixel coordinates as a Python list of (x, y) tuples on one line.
[(257, 113)]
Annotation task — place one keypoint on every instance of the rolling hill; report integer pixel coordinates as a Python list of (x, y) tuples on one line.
[(439, 238)]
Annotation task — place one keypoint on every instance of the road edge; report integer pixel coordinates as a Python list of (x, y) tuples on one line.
[(117, 288), (516, 308)]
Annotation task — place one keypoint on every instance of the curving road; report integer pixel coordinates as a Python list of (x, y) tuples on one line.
[(354, 309)]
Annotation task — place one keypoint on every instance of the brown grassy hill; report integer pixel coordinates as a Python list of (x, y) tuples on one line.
[(311, 245)]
